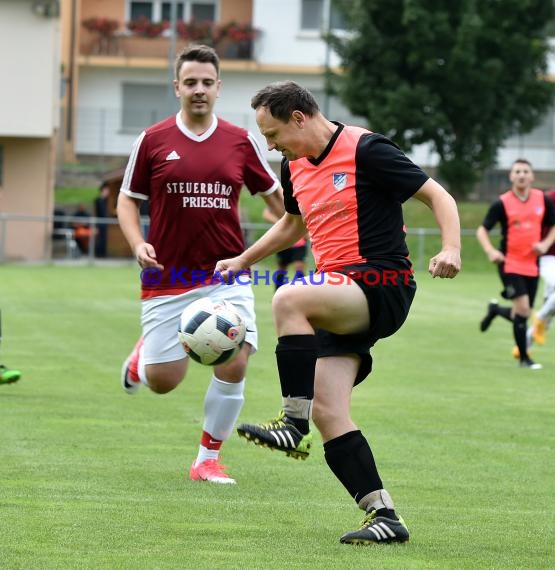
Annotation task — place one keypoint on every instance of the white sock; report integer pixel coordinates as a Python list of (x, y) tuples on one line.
[(141, 368), (547, 310), (379, 499), (222, 406), (204, 453), (300, 408)]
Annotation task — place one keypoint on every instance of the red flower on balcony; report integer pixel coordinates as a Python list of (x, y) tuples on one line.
[(146, 28), (103, 26), (237, 32), (196, 32)]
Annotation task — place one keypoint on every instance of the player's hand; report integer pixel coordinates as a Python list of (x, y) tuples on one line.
[(446, 264), (539, 248), (495, 256), (146, 256), (228, 269)]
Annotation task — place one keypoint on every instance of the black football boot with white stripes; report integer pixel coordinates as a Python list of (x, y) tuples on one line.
[(279, 433), (377, 529)]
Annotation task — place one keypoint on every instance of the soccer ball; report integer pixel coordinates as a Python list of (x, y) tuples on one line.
[(211, 332)]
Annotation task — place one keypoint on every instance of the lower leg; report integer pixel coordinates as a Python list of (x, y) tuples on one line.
[(351, 460), (519, 333), (296, 361), (222, 405)]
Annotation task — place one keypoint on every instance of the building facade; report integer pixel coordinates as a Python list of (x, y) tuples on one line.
[(119, 81), (29, 121)]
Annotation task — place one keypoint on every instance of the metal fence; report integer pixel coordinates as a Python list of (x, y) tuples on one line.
[(423, 242)]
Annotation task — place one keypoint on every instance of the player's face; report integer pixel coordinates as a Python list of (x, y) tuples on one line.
[(286, 138), (521, 175), (197, 87)]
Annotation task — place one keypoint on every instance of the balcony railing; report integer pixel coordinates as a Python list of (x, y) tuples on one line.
[(146, 39), (137, 46)]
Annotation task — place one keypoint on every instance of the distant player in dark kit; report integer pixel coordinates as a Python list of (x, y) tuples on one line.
[(522, 212)]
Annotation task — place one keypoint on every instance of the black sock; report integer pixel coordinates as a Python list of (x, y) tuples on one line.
[(302, 425), (519, 332), (504, 312), (296, 362), (350, 458), (388, 513)]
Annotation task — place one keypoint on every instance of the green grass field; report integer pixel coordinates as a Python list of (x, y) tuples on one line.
[(93, 478)]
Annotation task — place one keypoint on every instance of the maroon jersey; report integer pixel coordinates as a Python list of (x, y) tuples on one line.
[(193, 183)]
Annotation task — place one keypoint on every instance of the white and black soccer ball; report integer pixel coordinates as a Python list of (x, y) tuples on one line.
[(211, 332)]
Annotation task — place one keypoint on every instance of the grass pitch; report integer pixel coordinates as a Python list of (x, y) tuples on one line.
[(93, 478)]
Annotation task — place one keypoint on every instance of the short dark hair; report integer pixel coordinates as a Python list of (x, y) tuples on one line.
[(522, 161), (200, 53), (284, 97)]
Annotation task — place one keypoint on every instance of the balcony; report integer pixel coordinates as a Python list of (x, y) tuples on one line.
[(104, 40)]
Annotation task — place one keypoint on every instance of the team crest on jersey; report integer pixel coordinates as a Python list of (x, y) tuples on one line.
[(339, 180)]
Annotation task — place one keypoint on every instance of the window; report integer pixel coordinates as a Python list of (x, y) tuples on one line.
[(140, 10), (167, 10), (203, 12), (144, 105), (312, 15), (157, 11), (318, 15)]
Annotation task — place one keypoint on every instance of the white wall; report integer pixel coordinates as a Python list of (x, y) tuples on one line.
[(283, 41), (30, 71), (100, 101)]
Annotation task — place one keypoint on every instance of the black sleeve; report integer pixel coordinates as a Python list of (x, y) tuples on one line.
[(495, 214), (289, 201), (549, 215), (388, 168)]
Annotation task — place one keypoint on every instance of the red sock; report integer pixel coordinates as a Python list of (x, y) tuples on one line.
[(209, 442)]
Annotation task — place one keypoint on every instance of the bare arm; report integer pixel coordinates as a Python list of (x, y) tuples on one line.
[(130, 224), (274, 206), (269, 216), (447, 263), (283, 234), (494, 255), (541, 247)]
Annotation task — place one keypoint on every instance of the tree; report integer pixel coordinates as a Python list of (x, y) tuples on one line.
[(463, 75)]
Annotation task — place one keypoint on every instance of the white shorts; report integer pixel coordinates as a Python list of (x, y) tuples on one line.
[(160, 319), (547, 272)]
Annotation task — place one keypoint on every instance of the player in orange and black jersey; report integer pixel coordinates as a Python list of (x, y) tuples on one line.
[(344, 186), (522, 211)]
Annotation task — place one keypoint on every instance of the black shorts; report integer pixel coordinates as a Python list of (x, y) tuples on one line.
[(516, 285), (291, 254), (389, 287)]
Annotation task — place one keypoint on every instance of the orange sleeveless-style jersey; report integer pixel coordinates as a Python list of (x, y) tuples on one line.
[(350, 198), (524, 228)]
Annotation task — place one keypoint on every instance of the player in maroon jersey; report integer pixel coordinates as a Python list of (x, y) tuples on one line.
[(522, 212), (346, 186), (191, 168)]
